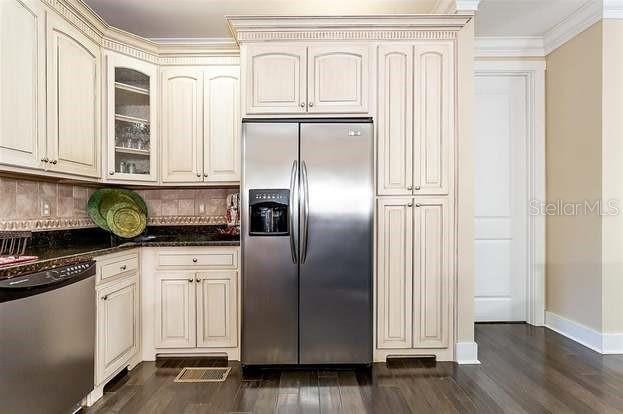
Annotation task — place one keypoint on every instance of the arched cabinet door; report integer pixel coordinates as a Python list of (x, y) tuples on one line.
[(338, 79), (276, 79)]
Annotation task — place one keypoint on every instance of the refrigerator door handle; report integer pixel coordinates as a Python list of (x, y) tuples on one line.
[(293, 180), (305, 224)]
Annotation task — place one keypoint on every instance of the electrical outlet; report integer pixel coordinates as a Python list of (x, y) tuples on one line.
[(202, 208), (45, 209)]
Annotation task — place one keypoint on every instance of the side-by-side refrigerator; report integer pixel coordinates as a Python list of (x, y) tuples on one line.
[(307, 211)]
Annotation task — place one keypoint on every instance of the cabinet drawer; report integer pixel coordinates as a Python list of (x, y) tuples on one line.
[(110, 267), (218, 258)]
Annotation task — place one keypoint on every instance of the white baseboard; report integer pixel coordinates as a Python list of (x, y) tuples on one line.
[(466, 353), (599, 342)]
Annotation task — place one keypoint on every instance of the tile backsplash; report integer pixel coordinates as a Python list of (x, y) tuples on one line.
[(40, 205)]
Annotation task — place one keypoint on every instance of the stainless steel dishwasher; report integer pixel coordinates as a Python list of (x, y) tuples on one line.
[(47, 340)]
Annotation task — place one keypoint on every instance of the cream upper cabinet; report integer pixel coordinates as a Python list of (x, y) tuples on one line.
[(415, 118), (73, 100), (338, 79), (221, 148), (217, 309), (431, 276), (117, 326), (394, 273), (131, 119), (395, 119), (276, 80), (182, 125), (175, 310), (22, 83)]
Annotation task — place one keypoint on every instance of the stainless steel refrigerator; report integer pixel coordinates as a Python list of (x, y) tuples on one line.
[(307, 205)]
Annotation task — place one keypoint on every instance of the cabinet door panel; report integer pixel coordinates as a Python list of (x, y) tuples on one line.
[(394, 273), (22, 82), (338, 79), (73, 99), (434, 117), (118, 328), (175, 310), (395, 120), (182, 125), (276, 79), (217, 307), (431, 281), (221, 160)]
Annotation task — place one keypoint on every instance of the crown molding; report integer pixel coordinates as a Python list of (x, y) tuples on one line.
[(378, 27), (509, 46), (583, 18)]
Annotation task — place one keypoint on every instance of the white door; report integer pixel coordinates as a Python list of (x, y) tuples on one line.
[(276, 79), (501, 203), (221, 148), (217, 309), (73, 96), (117, 326), (175, 310), (22, 82), (182, 125), (338, 79), (395, 273)]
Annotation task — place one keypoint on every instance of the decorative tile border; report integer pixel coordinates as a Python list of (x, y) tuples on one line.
[(78, 223)]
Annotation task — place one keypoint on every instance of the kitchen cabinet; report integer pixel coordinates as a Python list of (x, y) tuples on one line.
[(73, 100), (22, 83), (293, 79), (413, 276), (196, 309), (200, 125), (131, 119), (415, 118)]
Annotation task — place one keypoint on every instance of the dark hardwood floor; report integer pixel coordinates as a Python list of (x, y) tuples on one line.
[(524, 370)]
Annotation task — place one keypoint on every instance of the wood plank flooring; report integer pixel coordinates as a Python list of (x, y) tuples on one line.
[(524, 370)]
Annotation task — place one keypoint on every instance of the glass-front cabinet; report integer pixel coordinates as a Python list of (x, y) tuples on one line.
[(131, 119)]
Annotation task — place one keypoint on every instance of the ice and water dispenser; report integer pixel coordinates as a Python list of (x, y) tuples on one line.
[(269, 212)]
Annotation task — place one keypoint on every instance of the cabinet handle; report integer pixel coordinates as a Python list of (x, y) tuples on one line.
[(418, 205), (205, 175), (302, 104), (199, 175), (111, 172), (55, 162), (123, 267), (311, 104), (197, 280), (410, 188), (105, 297), (410, 205), (194, 260), (417, 187), (190, 280), (45, 159)]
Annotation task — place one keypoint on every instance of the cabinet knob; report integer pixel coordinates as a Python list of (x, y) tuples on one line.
[(410, 187), (311, 104), (205, 175), (417, 187), (418, 205), (55, 162), (45, 159), (199, 175), (123, 267), (194, 260), (190, 280), (197, 280), (410, 205), (111, 173), (105, 297), (302, 104)]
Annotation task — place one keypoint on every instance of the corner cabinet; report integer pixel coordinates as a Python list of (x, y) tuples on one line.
[(73, 100), (414, 293), (201, 125), (131, 91), (415, 118), (294, 79)]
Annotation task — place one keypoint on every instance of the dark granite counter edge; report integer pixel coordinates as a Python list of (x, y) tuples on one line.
[(41, 265)]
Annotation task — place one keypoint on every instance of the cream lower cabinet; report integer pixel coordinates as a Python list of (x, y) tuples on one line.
[(415, 120), (196, 310), (414, 293), (200, 125)]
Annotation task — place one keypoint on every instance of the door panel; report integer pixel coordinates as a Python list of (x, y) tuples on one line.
[(431, 273), (217, 305), (175, 310), (270, 277), (221, 159), (73, 100), (338, 79), (395, 273), (434, 117), (182, 125), (22, 83), (395, 120), (500, 198), (276, 79), (336, 267)]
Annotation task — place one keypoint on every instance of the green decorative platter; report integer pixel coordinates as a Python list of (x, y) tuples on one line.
[(125, 220), (105, 198)]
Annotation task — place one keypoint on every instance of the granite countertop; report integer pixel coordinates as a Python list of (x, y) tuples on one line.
[(84, 247)]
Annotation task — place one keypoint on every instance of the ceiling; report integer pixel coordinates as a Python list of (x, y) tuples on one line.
[(205, 18), (522, 17)]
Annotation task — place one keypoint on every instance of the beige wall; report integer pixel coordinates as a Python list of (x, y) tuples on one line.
[(612, 226), (574, 164)]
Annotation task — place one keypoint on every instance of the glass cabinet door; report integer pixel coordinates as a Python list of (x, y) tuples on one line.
[(131, 108)]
